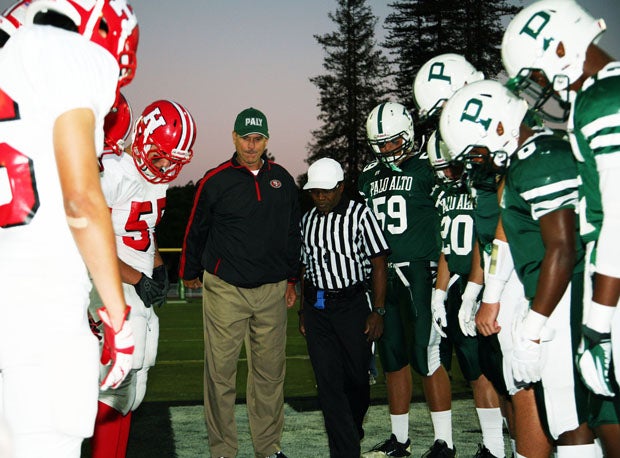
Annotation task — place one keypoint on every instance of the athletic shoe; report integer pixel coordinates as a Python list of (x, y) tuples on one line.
[(279, 454), (440, 450), (483, 452), (390, 447)]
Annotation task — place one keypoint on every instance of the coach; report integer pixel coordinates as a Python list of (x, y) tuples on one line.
[(244, 234), (343, 252)]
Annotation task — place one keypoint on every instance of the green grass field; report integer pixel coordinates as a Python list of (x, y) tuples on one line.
[(170, 423), (177, 376)]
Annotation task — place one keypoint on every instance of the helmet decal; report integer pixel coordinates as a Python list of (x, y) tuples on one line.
[(165, 130), (439, 78)]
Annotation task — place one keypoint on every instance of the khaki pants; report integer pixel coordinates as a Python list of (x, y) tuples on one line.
[(229, 313)]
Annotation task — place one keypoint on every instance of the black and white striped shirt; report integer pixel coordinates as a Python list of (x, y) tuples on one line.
[(337, 246)]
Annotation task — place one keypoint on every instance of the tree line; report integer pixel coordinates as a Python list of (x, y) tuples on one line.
[(361, 72)]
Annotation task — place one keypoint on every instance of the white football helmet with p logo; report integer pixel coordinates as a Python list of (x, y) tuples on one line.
[(544, 49), (438, 79), (484, 114)]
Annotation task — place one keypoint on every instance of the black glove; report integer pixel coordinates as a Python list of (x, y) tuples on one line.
[(153, 291), (160, 275), (95, 327)]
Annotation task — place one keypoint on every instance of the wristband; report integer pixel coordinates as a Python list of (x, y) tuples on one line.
[(533, 325), (599, 317), (493, 289), (501, 264), (440, 296), (472, 290)]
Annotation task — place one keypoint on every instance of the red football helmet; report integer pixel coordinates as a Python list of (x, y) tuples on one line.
[(117, 126), (13, 17), (165, 130), (127, 60), (109, 23)]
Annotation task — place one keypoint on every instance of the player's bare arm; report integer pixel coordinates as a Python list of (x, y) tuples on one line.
[(558, 234), (486, 318), (87, 212), (374, 323)]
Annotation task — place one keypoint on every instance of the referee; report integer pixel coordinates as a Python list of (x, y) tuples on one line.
[(344, 256)]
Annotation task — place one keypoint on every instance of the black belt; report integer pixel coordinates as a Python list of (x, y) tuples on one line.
[(343, 293)]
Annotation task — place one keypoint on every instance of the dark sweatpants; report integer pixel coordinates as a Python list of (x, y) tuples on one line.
[(340, 357)]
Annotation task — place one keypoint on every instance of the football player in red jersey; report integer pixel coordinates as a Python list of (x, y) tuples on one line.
[(134, 183), (55, 87)]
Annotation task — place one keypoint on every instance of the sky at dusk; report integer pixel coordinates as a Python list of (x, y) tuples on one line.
[(218, 57)]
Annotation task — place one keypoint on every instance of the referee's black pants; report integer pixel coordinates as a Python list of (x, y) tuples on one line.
[(340, 356)]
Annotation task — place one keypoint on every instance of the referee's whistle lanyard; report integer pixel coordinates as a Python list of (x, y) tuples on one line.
[(396, 266)]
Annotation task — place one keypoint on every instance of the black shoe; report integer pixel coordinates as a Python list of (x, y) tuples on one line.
[(279, 454), (483, 452), (440, 450), (390, 447)]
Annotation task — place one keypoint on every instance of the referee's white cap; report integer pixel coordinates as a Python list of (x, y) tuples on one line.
[(324, 173)]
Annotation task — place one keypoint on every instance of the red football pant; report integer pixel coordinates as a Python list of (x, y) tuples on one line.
[(111, 433)]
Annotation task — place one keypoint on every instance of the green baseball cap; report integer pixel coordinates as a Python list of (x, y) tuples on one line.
[(251, 121)]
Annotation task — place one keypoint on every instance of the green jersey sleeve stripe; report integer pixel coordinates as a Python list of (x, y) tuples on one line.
[(606, 141), (549, 206), (552, 188), (604, 122)]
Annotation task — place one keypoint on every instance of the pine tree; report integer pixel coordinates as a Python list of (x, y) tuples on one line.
[(354, 83), (421, 29), (418, 30)]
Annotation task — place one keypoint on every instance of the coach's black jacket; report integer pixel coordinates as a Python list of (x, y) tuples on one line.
[(244, 228)]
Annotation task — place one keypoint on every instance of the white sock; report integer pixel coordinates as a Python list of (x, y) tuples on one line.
[(400, 427), (513, 446), (599, 448), (577, 451), (519, 456), (442, 424), (492, 424)]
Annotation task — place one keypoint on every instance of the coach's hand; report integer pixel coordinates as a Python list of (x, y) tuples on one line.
[(194, 283), (290, 295), (118, 347)]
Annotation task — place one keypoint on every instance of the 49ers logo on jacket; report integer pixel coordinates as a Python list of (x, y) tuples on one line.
[(275, 184)]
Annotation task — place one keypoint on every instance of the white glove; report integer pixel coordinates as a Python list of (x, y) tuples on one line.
[(118, 349), (526, 354), (594, 359), (595, 349), (438, 308), (469, 307)]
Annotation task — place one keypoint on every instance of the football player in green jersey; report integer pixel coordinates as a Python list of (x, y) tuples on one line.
[(436, 81), (397, 186), (459, 253), (551, 46), (483, 123)]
